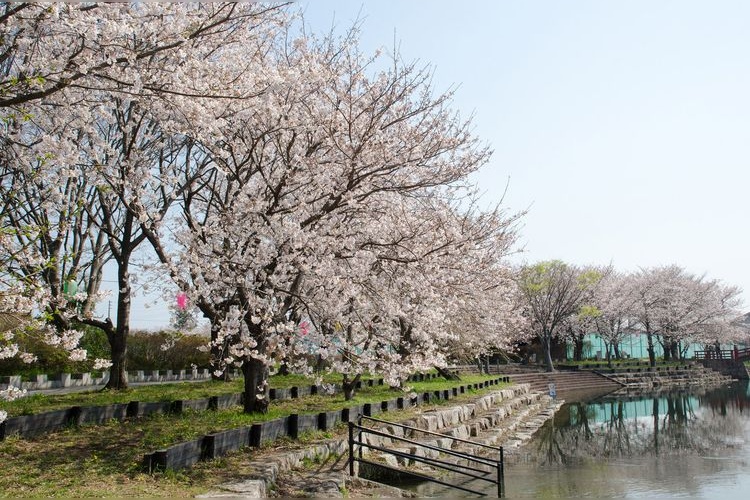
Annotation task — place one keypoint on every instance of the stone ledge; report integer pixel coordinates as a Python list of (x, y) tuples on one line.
[(269, 468)]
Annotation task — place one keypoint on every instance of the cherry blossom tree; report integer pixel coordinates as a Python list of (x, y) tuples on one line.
[(101, 75), (675, 307), (553, 291), (48, 48), (714, 319), (429, 283), (49, 244), (286, 184), (21, 298), (614, 300), (296, 184)]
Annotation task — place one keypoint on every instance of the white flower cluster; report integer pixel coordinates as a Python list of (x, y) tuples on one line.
[(12, 393), (77, 354), (8, 351), (68, 339), (27, 357), (326, 213), (102, 364)]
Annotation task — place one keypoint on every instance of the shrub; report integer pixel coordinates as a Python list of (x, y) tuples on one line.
[(145, 352), (166, 350), (50, 359)]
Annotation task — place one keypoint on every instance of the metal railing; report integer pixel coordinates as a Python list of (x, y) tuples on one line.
[(468, 471), (735, 354)]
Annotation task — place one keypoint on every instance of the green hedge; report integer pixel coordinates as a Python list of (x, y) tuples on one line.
[(144, 352)]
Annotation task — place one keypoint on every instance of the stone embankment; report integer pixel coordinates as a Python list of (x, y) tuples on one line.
[(569, 385), (662, 377), (573, 380), (732, 368), (506, 418)]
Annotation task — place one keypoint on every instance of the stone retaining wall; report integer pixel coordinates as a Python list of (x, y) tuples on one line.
[(669, 378), (267, 470), (731, 368), (63, 380), (186, 454)]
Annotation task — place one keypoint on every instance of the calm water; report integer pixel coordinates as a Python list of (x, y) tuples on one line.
[(674, 445)]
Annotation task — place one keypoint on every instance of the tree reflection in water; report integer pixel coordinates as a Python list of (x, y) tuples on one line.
[(666, 424)]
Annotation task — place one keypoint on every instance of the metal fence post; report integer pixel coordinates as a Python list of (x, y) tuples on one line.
[(501, 474), (351, 448), (359, 423)]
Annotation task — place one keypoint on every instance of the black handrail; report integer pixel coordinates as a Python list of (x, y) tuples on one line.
[(452, 467), (496, 448), (438, 463), (484, 461), (425, 477)]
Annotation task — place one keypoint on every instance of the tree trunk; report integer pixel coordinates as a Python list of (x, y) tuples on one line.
[(320, 364), (547, 345), (616, 348), (675, 349), (118, 378), (650, 349), (608, 353), (446, 374), (665, 347), (118, 338), (479, 365), (256, 393), (683, 351), (578, 348), (349, 386)]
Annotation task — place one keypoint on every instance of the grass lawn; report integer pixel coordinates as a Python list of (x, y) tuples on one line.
[(38, 403), (104, 460)]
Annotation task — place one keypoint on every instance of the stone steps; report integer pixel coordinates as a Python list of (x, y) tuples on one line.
[(332, 477), (509, 431), (510, 420), (456, 421), (566, 381), (696, 374)]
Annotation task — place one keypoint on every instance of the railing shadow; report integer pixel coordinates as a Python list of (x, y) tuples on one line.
[(493, 471)]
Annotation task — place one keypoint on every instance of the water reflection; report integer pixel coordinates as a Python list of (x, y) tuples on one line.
[(730, 397), (627, 426), (637, 446)]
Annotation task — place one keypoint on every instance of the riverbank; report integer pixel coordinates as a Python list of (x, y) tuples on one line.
[(591, 377), (506, 417), (322, 472), (100, 460)]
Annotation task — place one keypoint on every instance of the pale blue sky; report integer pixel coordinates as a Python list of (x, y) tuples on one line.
[(624, 127)]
